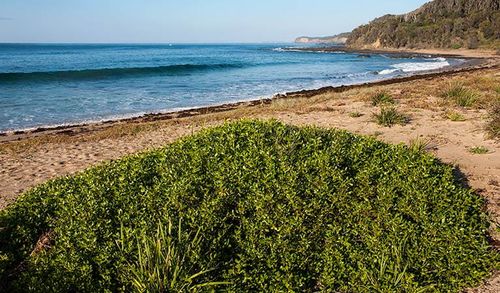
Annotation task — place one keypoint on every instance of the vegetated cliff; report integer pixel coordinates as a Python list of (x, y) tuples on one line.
[(437, 24), (337, 39)]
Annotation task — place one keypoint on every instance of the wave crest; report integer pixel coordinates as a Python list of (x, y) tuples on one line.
[(112, 72)]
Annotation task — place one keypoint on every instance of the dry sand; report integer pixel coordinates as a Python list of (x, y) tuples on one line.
[(28, 160)]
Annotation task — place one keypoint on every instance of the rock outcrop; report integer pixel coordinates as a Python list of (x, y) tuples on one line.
[(337, 39)]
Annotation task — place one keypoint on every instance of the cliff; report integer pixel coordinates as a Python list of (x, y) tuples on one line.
[(337, 39), (437, 24)]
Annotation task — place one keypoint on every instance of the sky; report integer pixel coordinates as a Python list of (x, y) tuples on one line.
[(186, 21)]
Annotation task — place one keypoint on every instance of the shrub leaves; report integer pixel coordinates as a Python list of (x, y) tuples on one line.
[(272, 208)]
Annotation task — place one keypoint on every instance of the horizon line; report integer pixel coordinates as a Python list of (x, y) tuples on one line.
[(144, 43)]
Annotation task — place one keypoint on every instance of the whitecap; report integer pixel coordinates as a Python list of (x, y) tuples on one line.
[(441, 59), (387, 71), (421, 66), (438, 63)]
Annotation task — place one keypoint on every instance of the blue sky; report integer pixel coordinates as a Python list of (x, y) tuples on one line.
[(171, 21)]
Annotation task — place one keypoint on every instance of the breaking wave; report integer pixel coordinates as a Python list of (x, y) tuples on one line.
[(89, 74), (437, 63)]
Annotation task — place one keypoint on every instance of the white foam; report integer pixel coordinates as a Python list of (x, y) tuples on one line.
[(440, 59), (388, 71), (438, 63), (412, 67), (332, 52), (287, 50), (304, 50)]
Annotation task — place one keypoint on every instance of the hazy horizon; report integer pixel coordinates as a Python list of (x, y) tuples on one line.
[(189, 22)]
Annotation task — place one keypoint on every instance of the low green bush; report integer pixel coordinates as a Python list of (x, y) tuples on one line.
[(264, 207)]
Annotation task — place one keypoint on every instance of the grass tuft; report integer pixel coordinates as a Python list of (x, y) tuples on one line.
[(419, 145), (166, 261), (390, 116), (493, 125), (461, 95), (382, 98)]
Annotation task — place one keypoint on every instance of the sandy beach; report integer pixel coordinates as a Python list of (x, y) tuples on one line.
[(33, 157), (405, 53)]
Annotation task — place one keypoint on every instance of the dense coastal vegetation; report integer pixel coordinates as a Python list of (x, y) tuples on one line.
[(252, 206), (438, 24)]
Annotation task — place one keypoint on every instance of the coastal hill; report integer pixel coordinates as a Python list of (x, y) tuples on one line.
[(438, 24), (337, 39)]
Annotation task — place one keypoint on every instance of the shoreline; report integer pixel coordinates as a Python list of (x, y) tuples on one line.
[(471, 64), (404, 53)]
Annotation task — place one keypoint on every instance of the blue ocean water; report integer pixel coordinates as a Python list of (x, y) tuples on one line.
[(54, 84)]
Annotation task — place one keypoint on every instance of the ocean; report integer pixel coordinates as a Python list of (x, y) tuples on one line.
[(43, 85)]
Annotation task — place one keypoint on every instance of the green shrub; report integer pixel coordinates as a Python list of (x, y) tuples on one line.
[(389, 116), (381, 98), (461, 95), (265, 207)]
